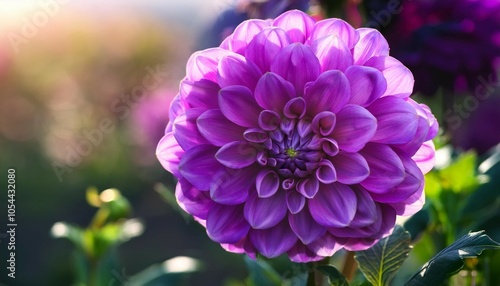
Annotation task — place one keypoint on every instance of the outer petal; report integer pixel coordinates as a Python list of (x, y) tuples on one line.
[(335, 27), (244, 33), (411, 205), (330, 92), (273, 92), (226, 224), (351, 168), (366, 212), (191, 200), (203, 64), (333, 53), (238, 104), (326, 246), (274, 241), (236, 70), (301, 254), (236, 155), (169, 153), (231, 187), (413, 181), (367, 84), (354, 128), (304, 226), (397, 121), (265, 46), (334, 205), (199, 165), (295, 201), (291, 63), (386, 168), (371, 44), (263, 213), (185, 129), (200, 94), (217, 129), (297, 24), (399, 78), (425, 157)]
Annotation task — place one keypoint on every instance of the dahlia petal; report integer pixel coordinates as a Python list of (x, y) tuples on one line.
[(265, 46), (185, 130), (433, 131), (366, 212), (200, 94), (326, 246), (238, 104), (238, 247), (191, 200), (326, 172), (269, 120), (291, 62), (334, 205), (330, 92), (425, 157), (371, 44), (412, 147), (226, 224), (236, 70), (231, 187), (304, 226), (329, 146), (360, 244), (198, 165), (367, 84), (217, 129), (297, 24), (244, 33), (413, 181), (397, 121), (236, 155), (299, 253), (203, 64), (255, 135), (399, 78), (263, 213), (335, 27), (351, 168), (324, 123), (295, 201), (332, 53), (411, 205), (169, 153), (273, 92), (295, 108), (308, 187), (177, 107), (267, 183), (274, 241), (386, 168), (354, 128)]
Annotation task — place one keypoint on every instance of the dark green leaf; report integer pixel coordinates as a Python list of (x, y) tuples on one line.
[(449, 260), (261, 273), (336, 278), (380, 263)]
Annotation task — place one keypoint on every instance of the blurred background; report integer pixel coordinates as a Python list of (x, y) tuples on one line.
[(84, 95)]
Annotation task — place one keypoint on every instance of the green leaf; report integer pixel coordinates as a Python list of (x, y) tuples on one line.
[(336, 278), (169, 197), (380, 263), (170, 272), (449, 261), (261, 273), (460, 176)]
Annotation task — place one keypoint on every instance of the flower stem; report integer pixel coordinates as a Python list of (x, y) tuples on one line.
[(350, 265)]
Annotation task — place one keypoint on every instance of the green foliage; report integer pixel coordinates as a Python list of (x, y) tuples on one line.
[(261, 273), (450, 260), (336, 278), (380, 263)]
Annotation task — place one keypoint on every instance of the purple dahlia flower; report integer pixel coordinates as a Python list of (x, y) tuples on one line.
[(298, 136)]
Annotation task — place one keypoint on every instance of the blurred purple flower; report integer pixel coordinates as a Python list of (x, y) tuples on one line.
[(445, 43), (299, 137)]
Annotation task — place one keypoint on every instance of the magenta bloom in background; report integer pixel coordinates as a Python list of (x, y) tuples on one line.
[(298, 137)]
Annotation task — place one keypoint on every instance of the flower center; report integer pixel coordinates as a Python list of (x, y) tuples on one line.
[(292, 153)]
